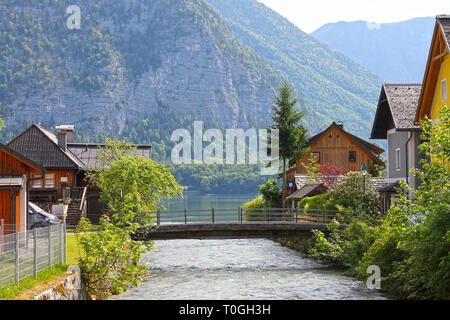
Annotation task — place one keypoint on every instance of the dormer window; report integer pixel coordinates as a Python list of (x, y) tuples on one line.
[(444, 90)]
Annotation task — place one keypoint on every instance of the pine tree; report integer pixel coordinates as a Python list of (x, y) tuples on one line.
[(292, 134)]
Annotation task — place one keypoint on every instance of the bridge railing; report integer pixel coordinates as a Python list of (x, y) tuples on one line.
[(236, 215)]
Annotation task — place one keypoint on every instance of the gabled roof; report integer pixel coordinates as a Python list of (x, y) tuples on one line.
[(396, 109), (41, 145), (308, 190), (30, 163), (87, 152), (370, 148), (440, 46)]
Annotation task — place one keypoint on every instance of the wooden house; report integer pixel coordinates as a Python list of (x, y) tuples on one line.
[(16, 174), (336, 147), (437, 73), (66, 163)]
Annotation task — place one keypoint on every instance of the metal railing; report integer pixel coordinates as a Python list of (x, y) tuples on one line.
[(25, 253), (237, 215)]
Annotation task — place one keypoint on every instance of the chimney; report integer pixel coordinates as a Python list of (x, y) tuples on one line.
[(340, 124), (64, 135)]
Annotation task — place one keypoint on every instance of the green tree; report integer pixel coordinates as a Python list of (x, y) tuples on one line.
[(129, 186), (271, 193), (292, 135)]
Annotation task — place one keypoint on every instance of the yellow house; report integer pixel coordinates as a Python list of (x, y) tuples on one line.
[(437, 74)]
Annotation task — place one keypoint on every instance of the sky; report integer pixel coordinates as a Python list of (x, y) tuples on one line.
[(309, 15)]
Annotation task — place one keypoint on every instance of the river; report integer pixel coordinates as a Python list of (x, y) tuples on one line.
[(244, 269)]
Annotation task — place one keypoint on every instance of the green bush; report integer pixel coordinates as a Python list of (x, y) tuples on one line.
[(271, 193), (318, 202)]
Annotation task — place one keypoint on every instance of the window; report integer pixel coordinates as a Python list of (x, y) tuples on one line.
[(316, 156), (444, 90), (397, 159), (36, 183), (49, 180), (352, 156)]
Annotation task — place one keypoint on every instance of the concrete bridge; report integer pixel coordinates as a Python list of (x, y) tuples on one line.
[(231, 224)]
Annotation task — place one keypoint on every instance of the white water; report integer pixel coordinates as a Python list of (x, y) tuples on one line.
[(248, 269)]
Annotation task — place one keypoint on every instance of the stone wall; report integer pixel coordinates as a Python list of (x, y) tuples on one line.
[(70, 288)]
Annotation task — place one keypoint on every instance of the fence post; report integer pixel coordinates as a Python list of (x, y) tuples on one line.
[(323, 214), (60, 242), (158, 217), (50, 246), (65, 243), (268, 218), (17, 257), (185, 216), (241, 213), (35, 253), (212, 211)]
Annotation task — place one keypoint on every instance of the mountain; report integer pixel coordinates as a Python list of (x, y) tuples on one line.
[(397, 52), (142, 68), (331, 86), (133, 68)]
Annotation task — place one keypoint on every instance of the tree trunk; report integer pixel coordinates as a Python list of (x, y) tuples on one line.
[(284, 183)]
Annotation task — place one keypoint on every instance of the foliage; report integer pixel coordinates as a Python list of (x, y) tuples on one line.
[(350, 194), (292, 135), (312, 169), (330, 173), (343, 247), (129, 185), (411, 246), (271, 193), (135, 185), (347, 197), (112, 150), (321, 201), (109, 264), (256, 203)]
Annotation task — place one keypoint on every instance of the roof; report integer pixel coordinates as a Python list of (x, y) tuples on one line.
[(10, 182), (21, 157), (370, 148), (308, 190), (397, 106), (389, 188), (440, 46), (87, 152), (301, 180), (444, 21), (364, 144), (41, 145)]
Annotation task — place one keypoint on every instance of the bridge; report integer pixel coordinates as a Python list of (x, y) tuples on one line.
[(231, 223)]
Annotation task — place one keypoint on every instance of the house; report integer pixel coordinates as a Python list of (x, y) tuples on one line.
[(336, 147), (16, 174), (395, 122), (437, 73), (66, 164)]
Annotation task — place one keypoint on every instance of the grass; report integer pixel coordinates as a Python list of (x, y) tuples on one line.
[(73, 252), (43, 277)]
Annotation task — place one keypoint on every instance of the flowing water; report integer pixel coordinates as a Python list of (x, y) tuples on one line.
[(245, 269)]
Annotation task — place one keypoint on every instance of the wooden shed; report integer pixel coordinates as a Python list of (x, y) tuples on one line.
[(15, 173)]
